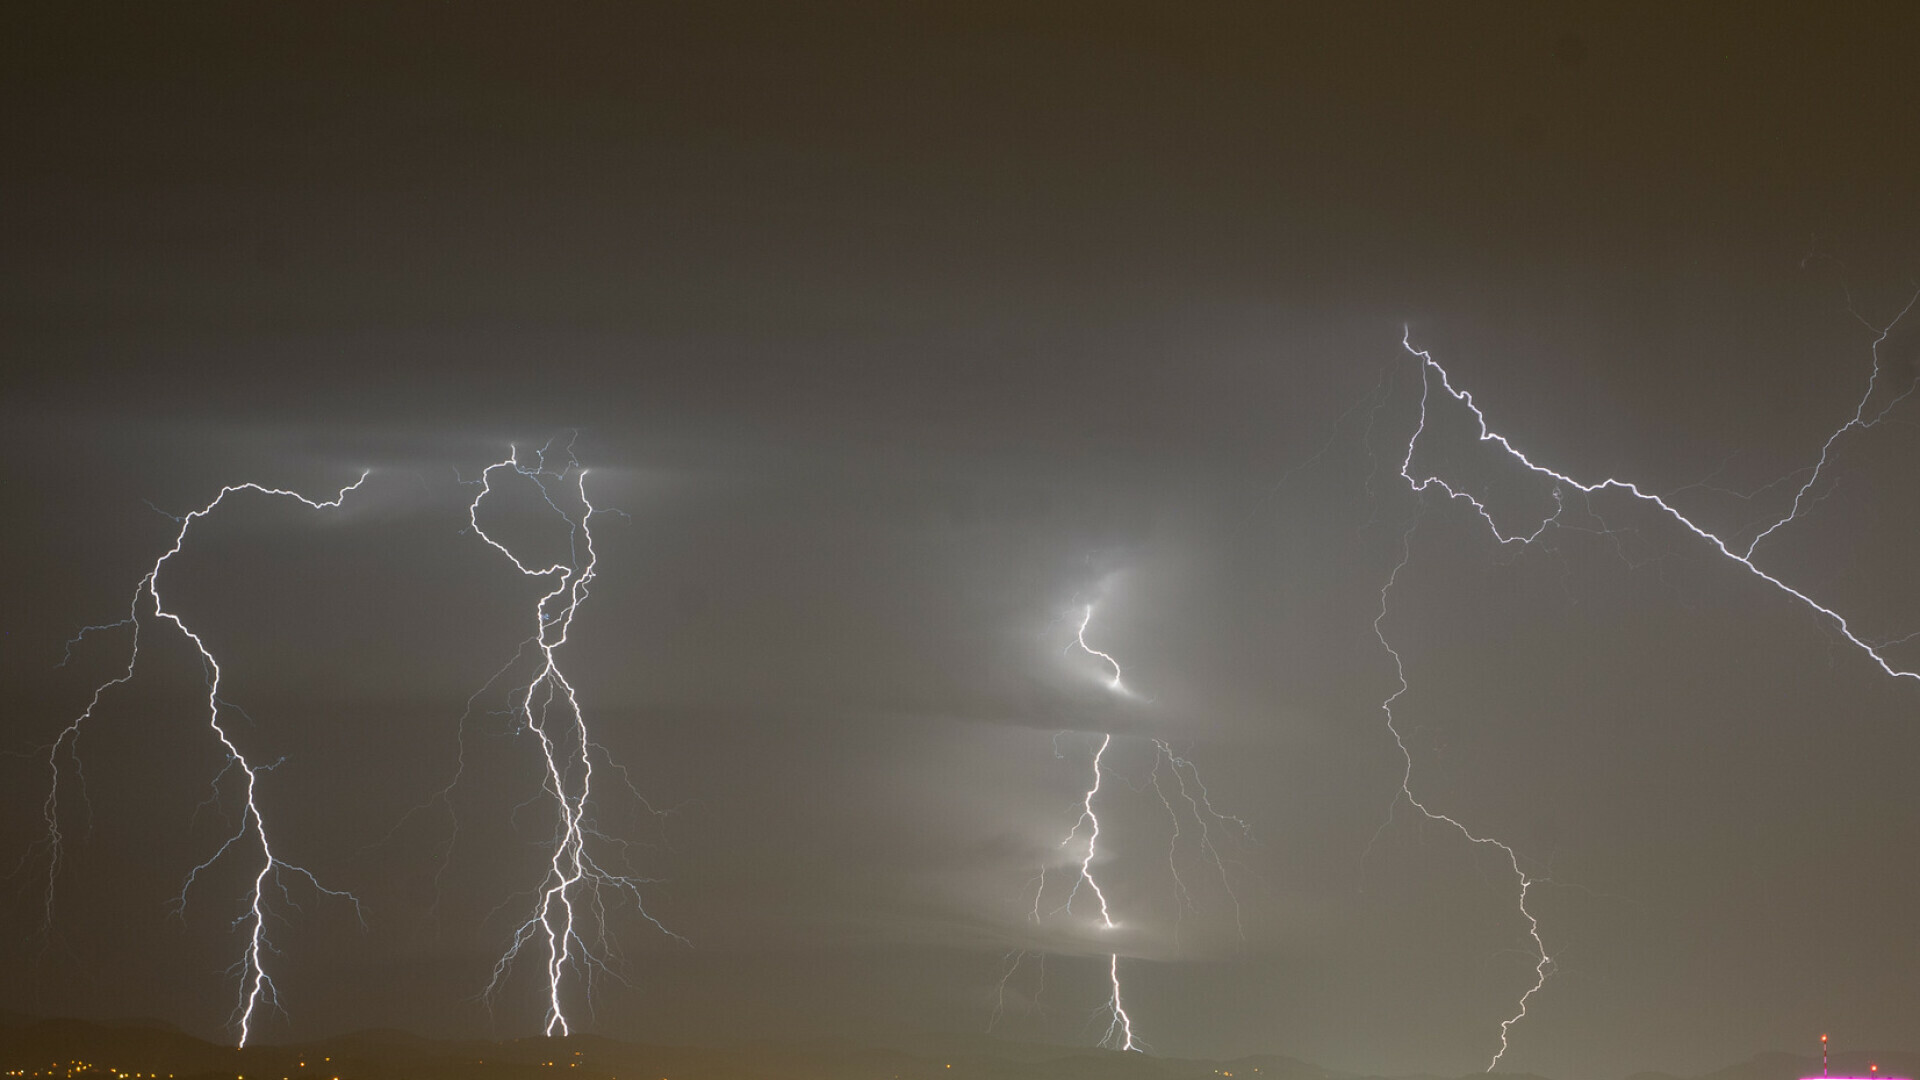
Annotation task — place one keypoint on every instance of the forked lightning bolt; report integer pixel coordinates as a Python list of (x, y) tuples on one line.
[(1092, 821), (1119, 1034), (1544, 963), (256, 987), (1430, 369), (1193, 791), (568, 916), (1858, 422), (1432, 374), (1186, 787)]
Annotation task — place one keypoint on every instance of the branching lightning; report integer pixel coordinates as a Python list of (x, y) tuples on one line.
[(1092, 821), (256, 986), (1562, 485), (1119, 1033), (1858, 422), (1014, 960), (568, 917), (1429, 369), (1193, 791), (1175, 780), (1544, 964)]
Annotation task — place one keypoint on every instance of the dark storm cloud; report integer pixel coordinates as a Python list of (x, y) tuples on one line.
[(900, 335)]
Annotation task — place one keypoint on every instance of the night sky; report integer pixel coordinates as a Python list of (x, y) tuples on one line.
[(902, 334)]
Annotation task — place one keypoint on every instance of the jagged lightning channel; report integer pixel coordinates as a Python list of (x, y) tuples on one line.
[(1562, 483), (568, 918), (1176, 781), (1193, 791), (1081, 636), (1858, 422), (1092, 821), (1014, 960), (1429, 368), (256, 987), (1544, 962), (1119, 1033), (1188, 788)]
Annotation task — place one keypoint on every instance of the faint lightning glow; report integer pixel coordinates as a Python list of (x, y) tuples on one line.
[(256, 987), (568, 916), (1858, 422), (1562, 483), (1014, 960), (1193, 791)]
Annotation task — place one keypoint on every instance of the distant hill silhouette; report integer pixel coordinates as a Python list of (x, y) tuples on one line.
[(151, 1046)]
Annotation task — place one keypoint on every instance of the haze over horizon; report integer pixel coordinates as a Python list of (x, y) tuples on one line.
[(81, 1049), (930, 353)]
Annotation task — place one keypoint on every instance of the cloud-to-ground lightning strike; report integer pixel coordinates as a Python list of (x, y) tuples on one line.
[(1544, 964), (1187, 787), (256, 987), (568, 916), (1119, 1033), (1563, 484)]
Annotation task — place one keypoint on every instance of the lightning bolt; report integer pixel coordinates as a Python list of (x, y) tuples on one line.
[(256, 987), (1200, 807), (1544, 963), (1432, 374), (1013, 960), (1858, 422), (1176, 781), (1187, 787), (1119, 1034), (568, 916), (1092, 821), (1431, 369), (1080, 635)]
